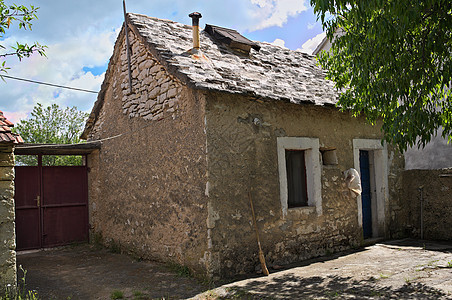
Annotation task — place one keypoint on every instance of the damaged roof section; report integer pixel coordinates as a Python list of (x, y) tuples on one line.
[(6, 135), (272, 73)]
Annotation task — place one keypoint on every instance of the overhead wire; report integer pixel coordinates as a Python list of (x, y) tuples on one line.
[(49, 84), (91, 142)]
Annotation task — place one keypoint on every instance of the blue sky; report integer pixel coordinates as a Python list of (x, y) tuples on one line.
[(80, 36)]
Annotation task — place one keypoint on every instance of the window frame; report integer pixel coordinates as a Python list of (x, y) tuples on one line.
[(301, 183), (313, 171)]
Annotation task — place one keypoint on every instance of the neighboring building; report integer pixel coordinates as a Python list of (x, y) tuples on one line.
[(437, 154), (202, 130), (8, 141)]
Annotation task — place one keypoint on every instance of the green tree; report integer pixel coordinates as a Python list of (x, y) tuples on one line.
[(24, 16), (51, 125), (392, 61)]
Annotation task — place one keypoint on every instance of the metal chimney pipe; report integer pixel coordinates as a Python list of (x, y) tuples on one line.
[(195, 16)]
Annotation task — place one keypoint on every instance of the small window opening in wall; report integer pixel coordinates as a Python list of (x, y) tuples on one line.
[(329, 156), (296, 178)]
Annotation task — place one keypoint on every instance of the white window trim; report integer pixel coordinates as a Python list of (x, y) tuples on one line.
[(313, 170)]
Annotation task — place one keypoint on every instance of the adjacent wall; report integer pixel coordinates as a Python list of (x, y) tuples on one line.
[(147, 186), (431, 190), (242, 157), (7, 231)]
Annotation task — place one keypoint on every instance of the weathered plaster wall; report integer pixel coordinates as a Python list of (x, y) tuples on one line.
[(7, 231), (436, 188), (242, 157), (147, 186), (437, 154)]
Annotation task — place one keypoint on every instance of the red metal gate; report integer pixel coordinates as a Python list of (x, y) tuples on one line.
[(51, 206)]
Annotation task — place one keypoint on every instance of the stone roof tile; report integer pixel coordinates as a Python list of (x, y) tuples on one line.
[(273, 72)]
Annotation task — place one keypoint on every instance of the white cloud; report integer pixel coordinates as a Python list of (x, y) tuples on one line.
[(311, 25), (279, 42), (62, 66), (310, 45), (270, 13)]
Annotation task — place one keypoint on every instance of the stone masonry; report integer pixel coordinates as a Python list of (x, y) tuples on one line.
[(7, 227), (147, 185), (428, 195), (7, 235), (154, 91)]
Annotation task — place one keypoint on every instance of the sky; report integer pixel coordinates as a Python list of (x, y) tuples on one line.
[(80, 36)]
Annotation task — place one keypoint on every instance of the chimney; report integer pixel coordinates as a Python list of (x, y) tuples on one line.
[(195, 20)]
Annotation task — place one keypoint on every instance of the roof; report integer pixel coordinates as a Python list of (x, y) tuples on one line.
[(57, 149), (272, 72), (320, 46), (6, 136)]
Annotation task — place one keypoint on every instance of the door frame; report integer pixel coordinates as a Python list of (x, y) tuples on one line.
[(379, 176)]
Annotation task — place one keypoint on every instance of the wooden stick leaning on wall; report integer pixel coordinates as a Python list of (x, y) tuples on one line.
[(261, 253)]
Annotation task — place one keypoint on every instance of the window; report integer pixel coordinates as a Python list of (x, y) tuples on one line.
[(299, 173), (297, 192)]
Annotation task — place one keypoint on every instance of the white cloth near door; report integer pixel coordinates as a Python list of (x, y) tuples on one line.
[(353, 182)]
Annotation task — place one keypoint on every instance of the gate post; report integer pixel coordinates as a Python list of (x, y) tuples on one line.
[(7, 214)]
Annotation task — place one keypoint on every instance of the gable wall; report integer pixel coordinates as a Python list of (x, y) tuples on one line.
[(146, 187), (242, 156)]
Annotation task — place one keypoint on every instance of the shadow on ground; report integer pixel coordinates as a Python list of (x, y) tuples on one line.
[(294, 287)]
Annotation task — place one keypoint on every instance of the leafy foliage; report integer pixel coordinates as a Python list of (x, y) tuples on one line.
[(24, 16), (392, 60), (52, 125)]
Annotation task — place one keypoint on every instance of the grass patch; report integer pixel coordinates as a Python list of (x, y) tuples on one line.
[(180, 270), (117, 294), (114, 247), (19, 293), (138, 295)]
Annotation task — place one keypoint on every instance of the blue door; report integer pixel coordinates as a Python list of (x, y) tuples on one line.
[(366, 194)]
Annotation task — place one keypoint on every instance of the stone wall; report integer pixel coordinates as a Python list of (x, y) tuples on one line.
[(146, 186), (242, 157), (7, 232), (431, 189)]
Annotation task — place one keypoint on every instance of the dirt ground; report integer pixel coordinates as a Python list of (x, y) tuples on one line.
[(405, 269), (89, 272)]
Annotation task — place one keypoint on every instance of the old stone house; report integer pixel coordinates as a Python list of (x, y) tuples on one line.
[(8, 141), (199, 130)]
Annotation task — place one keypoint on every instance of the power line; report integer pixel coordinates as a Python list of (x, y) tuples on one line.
[(93, 141), (49, 84)]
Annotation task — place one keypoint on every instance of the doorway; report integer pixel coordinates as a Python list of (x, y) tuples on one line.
[(370, 160)]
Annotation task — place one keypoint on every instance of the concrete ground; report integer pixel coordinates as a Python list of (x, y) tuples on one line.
[(405, 269)]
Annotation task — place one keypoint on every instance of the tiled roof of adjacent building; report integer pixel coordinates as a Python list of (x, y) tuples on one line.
[(6, 136), (271, 73)]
